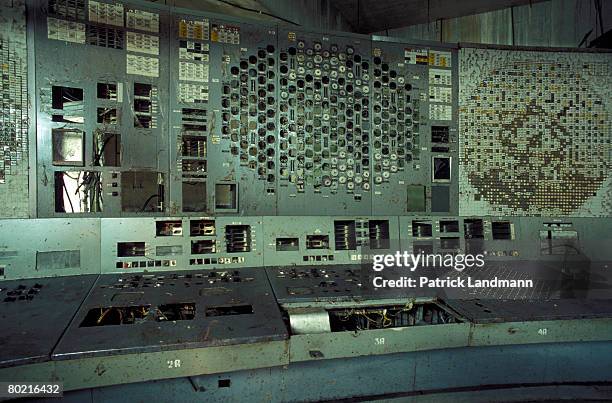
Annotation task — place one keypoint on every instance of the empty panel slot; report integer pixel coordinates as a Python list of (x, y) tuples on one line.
[(142, 90), (441, 169), (194, 146), (194, 168), (171, 250), (439, 134), (142, 192), (169, 228), (68, 147), (108, 316), (501, 230), (67, 119), (193, 128), (130, 249), (384, 317), (201, 227), (378, 234), (344, 235), (422, 229), (142, 105), (449, 243), (107, 149), (203, 247), (439, 149), (559, 242), (229, 310), (194, 115), (473, 228), (174, 312), (415, 198), (78, 192), (67, 98), (449, 226), (317, 242), (238, 238), (107, 116), (287, 244), (226, 196), (107, 91)]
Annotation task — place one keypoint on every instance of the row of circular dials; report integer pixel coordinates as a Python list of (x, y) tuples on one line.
[(249, 112), (394, 114), (324, 117)]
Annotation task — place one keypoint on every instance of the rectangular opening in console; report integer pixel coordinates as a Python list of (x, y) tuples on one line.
[(130, 249), (439, 134), (203, 247), (175, 312), (449, 226), (107, 149), (287, 244), (201, 227), (501, 230), (317, 242), (120, 315), (142, 191), (194, 146), (143, 105), (78, 192), (107, 116), (226, 196), (370, 317), (556, 240), (421, 229), (169, 228), (378, 234), (441, 169), (107, 91), (473, 228), (344, 235), (68, 147), (67, 98), (229, 310), (238, 238)]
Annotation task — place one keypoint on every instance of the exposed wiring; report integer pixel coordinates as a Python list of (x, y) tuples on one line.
[(229, 3), (148, 201), (68, 196)]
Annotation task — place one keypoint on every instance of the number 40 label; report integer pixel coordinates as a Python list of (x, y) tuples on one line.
[(543, 331)]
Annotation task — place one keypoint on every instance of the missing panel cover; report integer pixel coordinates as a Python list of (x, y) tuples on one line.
[(107, 149), (78, 192), (68, 147), (142, 192)]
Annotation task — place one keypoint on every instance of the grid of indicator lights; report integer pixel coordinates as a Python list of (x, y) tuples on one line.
[(535, 133)]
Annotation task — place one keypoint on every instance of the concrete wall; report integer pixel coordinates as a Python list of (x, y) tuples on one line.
[(309, 14), (552, 23)]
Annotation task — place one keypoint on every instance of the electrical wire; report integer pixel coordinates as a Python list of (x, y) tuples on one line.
[(148, 201)]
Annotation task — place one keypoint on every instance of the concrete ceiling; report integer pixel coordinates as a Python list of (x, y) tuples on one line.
[(369, 16)]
